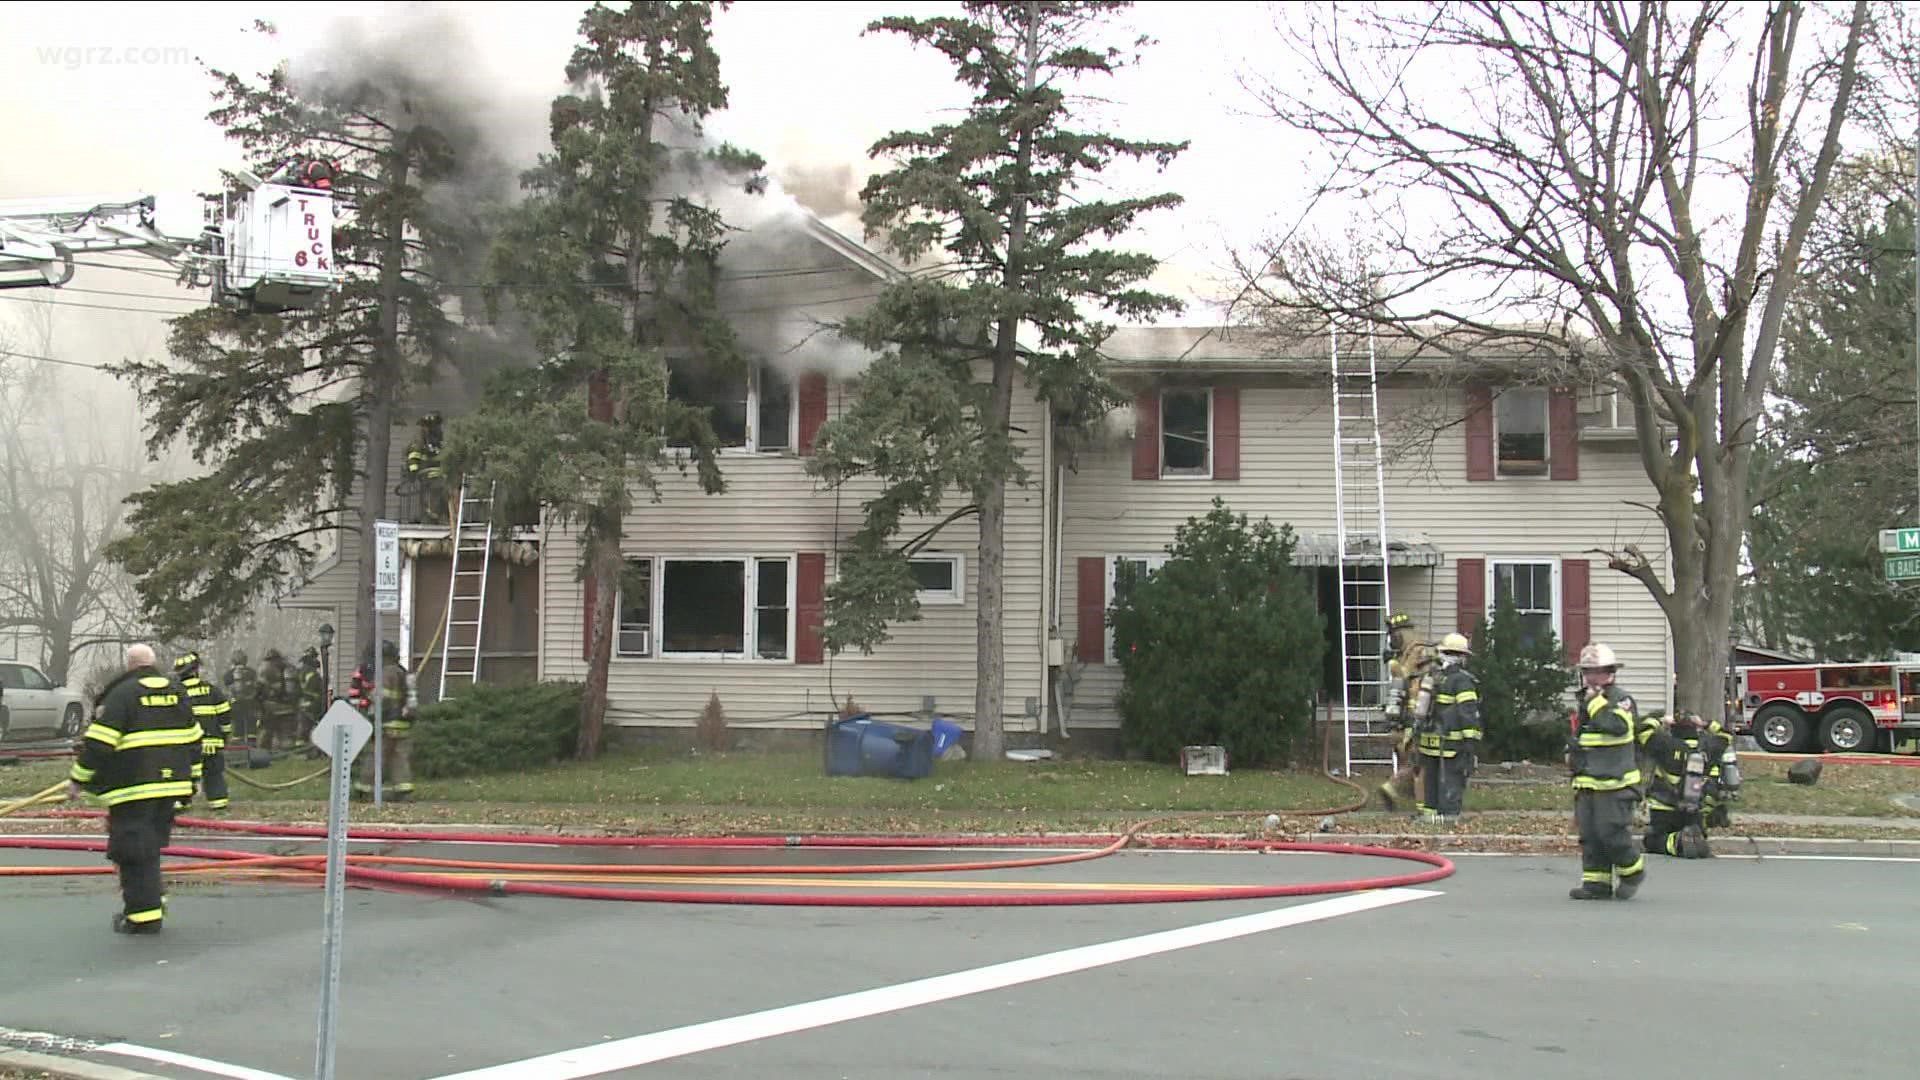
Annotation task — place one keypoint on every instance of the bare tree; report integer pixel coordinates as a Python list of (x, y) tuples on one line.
[(64, 471), (1616, 190)]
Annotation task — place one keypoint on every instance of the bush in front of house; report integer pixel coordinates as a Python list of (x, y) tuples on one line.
[(1523, 689), (489, 729), (1221, 646)]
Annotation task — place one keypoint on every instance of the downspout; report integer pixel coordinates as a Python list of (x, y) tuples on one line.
[(1050, 594)]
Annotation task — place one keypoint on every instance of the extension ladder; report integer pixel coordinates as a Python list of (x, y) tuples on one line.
[(1360, 530), (467, 588)]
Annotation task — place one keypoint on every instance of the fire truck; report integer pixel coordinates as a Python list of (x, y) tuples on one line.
[(1869, 708)]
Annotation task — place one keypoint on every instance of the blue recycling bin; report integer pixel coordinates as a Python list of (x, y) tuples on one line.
[(862, 746)]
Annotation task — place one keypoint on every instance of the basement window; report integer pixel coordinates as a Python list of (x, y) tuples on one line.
[(1520, 432), (939, 577)]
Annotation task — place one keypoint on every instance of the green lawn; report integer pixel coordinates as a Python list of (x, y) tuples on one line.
[(750, 792)]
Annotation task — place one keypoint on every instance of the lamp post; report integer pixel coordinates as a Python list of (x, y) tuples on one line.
[(326, 669)]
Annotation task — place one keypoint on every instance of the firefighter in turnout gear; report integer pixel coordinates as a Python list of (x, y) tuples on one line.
[(1603, 755), (425, 472), (312, 693), (1409, 698), (214, 713), (396, 721), (137, 757), (278, 696), (1449, 737), (1696, 776), (243, 688)]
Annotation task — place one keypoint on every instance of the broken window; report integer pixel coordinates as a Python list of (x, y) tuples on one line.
[(725, 608), (752, 411), (1520, 432), (1185, 433)]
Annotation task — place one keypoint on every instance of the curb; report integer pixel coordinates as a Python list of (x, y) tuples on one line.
[(67, 1068)]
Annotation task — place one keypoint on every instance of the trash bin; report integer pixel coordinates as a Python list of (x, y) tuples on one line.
[(945, 734), (862, 746)]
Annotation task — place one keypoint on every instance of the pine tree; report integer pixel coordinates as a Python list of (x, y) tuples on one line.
[(613, 261), (1002, 193), (275, 406)]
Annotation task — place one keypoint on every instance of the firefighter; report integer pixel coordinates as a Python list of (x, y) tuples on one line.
[(137, 756), (243, 693), (311, 692), (214, 713), (396, 721), (1449, 736), (278, 695), (1696, 775), (1602, 754), (1409, 661), (425, 470)]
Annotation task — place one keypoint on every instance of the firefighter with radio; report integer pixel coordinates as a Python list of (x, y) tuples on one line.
[(1696, 777), (396, 723), (1604, 738), (1410, 667), (1449, 735)]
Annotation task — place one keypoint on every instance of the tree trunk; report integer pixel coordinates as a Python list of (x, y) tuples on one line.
[(381, 385), (603, 569), (59, 651)]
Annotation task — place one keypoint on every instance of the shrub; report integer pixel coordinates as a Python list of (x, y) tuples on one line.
[(497, 729), (1523, 688), (711, 731), (1220, 646)]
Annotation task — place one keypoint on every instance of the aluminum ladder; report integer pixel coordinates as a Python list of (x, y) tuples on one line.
[(1360, 531), (467, 588)]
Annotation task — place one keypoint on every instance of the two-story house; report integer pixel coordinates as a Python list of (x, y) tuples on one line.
[(1510, 492)]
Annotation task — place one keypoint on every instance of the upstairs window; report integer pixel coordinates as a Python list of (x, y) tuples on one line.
[(1520, 432), (1186, 433), (753, 412)]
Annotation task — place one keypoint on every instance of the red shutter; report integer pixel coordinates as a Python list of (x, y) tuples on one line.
[(1479, 433), (1576, 606), (586, 619), (810, 608), (813, 409), (1470, 587), (1092, 648), (599, 399), (1226, 433), (1563, 435), (1146, 436)]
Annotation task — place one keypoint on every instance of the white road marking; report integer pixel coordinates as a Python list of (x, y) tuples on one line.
[(679, 1042), (199, 1064)]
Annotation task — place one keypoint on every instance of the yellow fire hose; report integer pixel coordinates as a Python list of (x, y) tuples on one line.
[(56, 793)]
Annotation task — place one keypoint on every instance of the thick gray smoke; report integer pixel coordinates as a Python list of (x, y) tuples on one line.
[(415, 64)]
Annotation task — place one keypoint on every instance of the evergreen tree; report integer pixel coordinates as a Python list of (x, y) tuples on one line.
[(613, 261), (1003, 194)]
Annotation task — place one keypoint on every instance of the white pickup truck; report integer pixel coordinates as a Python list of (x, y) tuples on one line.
[(30, 702)]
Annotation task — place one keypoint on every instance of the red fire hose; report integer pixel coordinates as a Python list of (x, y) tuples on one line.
[(361, 868)]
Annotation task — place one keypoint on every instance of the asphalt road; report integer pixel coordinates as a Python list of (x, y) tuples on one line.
[(1728, 968)]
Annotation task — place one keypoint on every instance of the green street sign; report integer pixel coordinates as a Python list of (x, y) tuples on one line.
[(1903, 569), (1899, 541)]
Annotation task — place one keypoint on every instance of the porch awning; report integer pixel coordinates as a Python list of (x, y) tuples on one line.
[(1323, 549)]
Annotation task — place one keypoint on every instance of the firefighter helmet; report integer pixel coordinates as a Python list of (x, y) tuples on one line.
[(187, 662), (1455, 643), (1596, 656), (1399, 621)]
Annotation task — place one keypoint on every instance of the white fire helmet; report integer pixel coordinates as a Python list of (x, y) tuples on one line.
[(1597, 655)]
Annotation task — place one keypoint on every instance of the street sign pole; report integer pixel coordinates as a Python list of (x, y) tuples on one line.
[(341, 733), (379, 721), (386, 597)]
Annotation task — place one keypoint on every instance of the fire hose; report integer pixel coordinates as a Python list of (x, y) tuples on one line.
[(367, 869)]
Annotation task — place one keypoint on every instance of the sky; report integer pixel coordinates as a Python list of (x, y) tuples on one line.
[(111, 98)]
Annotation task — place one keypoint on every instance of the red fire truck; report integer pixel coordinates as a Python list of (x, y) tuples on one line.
[(1837, 708)]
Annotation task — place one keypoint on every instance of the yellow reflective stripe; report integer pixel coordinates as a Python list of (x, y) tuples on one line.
[(1464, 733), (160, 701), (1638, 864), (1599, 877), (1595, 704), (155, 682), (212, 746), (101, 733), (170, 789), (1467, 695), (1656, 804), (1594, 783), (150, 915), (1595, 738), (162, 737), (80, 774), (1444, 699)]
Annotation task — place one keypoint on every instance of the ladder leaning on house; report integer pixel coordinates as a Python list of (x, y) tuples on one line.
[(1360, 530), (467, 569)]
